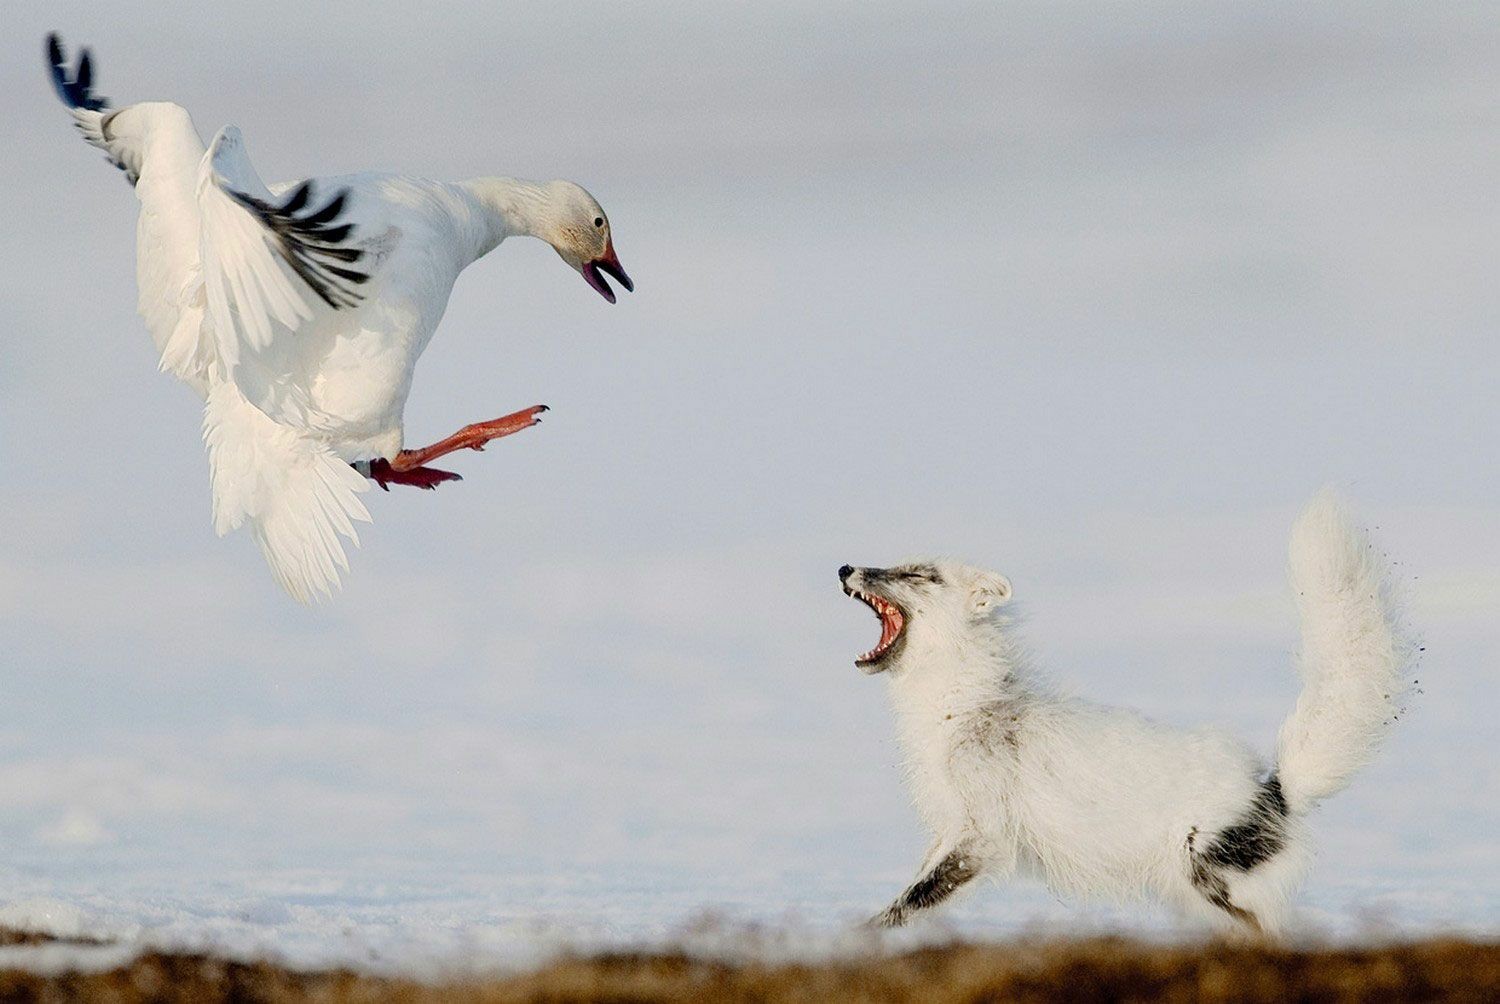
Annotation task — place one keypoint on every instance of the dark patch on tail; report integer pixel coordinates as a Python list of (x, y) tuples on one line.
[(1214, 889), (1256, 837), (311, 245), (76, 92)]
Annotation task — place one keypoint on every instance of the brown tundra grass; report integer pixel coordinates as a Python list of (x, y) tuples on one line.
[(1096, 970)]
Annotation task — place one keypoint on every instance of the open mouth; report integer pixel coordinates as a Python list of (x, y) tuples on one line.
[(892, 627), (609, 265)]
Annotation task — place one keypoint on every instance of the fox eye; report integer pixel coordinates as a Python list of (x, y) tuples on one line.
[(598, 221)]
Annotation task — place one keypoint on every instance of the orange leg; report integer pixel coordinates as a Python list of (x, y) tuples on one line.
[(408, 466), (470, 437), (383, 474)]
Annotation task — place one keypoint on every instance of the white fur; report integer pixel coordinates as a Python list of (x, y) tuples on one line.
[(1012, 777), (1353, 656)]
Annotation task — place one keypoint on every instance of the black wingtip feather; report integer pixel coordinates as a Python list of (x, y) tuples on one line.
[(358, 278), (298, 199), (327, 214), (74, 93), (332, 235), (58, 72), (350, 255)]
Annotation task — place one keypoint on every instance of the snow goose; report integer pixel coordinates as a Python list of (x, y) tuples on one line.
[(297, 311)]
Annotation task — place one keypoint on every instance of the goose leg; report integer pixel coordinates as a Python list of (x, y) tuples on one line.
[(408, 466), (383, 474), (470, 437)]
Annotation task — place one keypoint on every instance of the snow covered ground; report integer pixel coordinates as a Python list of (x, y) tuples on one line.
[(1097, 301), (396, 830)]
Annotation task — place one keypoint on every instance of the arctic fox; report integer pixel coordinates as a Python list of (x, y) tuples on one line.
[(1101, 801)]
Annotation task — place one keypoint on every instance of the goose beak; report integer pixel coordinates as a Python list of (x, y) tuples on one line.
[(609, 264)]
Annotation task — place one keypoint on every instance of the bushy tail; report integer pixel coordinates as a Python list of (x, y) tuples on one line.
[(296, 495), (1355, 660)]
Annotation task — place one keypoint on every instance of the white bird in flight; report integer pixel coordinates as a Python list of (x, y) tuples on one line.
[(298, 310)]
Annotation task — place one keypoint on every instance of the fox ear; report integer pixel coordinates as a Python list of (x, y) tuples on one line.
[(990, 590)]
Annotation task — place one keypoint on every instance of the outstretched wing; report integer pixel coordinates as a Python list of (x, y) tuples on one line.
[(261, 255), (223, 264), (91, 112), (158, 148), (311, 243)]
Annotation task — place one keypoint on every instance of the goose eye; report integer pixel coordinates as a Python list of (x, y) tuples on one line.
[(598, 221)]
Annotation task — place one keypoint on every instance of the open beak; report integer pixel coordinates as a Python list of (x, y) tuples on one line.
[(609, 264)]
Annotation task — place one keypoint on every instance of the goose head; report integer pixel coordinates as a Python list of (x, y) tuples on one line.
[(577, 228)]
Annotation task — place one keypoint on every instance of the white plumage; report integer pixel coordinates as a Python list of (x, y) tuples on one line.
[(1095, 800), (298, 311)]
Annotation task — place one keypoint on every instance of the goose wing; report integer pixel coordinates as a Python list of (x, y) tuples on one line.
[(158, 149), (213, 243), (90, 111), (223, 265)]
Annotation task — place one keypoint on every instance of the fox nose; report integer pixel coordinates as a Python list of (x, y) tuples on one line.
[(845, 571)]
